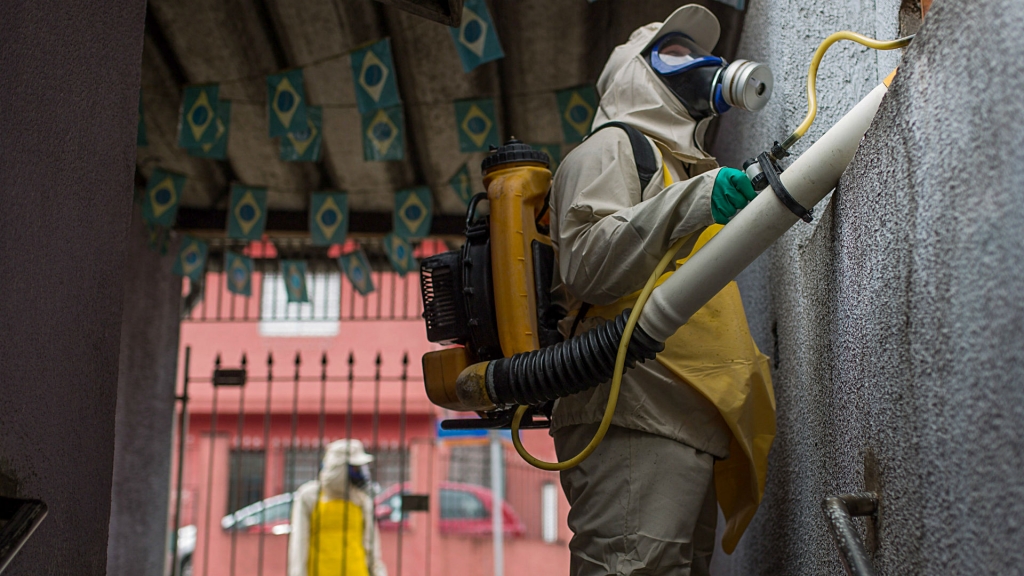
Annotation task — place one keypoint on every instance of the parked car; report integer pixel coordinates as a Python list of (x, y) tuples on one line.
[(465, 509), (271, 516)]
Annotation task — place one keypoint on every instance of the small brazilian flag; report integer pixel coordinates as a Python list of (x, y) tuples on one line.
[(239, 271), (554, 152), (197, 124), (576, 107), (163, 193), (140, 137), (477, 128), (191, 260), (286, 103), (328, 218), (247, 212), (294, 273), (461, 184), (382, 134), (374, 77), (400, 254), (413, 213), (357, 269), (476, 39), (157, 238), (304, 145), (218, 150)]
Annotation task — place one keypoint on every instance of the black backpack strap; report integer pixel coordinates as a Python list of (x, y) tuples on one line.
[(643, 153), (580, 315)]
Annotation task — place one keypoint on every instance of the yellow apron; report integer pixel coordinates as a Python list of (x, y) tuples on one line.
[(336, 540), (715, 354)]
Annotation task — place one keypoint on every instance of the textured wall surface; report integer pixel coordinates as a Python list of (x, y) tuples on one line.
[(145, 410), (69, 89), (896, 320)]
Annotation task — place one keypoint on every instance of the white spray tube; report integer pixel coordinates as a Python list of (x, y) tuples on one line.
[(811, 177)]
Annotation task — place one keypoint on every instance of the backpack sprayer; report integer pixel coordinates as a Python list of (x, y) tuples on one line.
[(492, 296)]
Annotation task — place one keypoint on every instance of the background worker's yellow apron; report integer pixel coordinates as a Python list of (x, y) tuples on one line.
[(336, 539), (715, 354)]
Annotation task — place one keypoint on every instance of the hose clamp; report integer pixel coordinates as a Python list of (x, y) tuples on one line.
[(771, 171)]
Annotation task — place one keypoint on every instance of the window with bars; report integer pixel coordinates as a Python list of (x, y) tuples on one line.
[(300, 466), (318, 317), (471, 464), (245, 477), (387, 466)]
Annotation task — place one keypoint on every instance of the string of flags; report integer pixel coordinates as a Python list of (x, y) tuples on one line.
[(204, 128)]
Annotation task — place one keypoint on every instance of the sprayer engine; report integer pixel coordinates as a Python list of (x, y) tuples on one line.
[(492, 297)]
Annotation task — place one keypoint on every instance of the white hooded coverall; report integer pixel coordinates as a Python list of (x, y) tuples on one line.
[(644, 501), (334, 492)]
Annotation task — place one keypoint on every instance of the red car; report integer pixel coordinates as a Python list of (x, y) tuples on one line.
[(465, 509)]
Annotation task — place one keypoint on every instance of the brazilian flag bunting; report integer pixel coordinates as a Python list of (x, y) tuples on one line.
[(140, 136), (476, 40), (461, 184), (286, 103), (197, 125), (476, 124), (554, 152), (294, 274), (382, 134), (357, 269), (247, 212), (218, 150), (239, 271), (328, 218), (304, 145), (399, 254), (576, 107), (163, 193), (413, 213), (191, 260), (373, 73)]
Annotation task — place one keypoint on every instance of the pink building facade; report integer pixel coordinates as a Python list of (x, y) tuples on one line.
[(290, 409)]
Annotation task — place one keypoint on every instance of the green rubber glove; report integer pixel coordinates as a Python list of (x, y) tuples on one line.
[(732, 192)]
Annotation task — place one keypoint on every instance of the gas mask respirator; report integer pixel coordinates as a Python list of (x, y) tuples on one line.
[(708, 85)]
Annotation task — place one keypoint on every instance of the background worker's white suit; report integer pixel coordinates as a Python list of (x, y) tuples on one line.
[(333, 528), (645, 501)]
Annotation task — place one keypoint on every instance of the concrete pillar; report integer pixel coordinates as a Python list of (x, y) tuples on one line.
[(145, 410), (69, 84)]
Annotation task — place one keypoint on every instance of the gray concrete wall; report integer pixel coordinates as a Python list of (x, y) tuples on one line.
[(145, 410), (896, 321), (69, 82)]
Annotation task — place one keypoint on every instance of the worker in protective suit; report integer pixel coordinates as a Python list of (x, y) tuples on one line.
[(698, 422), (333, 528)]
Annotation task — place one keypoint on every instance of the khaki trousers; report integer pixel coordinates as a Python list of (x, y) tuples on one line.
[(640, 504)]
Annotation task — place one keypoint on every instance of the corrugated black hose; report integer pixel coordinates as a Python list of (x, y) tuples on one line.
[(577, 364)]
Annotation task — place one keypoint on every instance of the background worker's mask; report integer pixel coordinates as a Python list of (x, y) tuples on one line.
[(708, 85), (359, 475)]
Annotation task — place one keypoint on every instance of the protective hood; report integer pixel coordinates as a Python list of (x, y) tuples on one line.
[(632, 93), (339, 456)]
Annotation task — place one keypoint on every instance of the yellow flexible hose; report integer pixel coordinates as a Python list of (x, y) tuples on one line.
[(613, 393), (812, 73)]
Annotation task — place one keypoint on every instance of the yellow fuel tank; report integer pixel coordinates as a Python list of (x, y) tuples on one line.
[(517, 181)]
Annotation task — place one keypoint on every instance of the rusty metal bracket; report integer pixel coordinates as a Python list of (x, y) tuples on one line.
[(840, 510)]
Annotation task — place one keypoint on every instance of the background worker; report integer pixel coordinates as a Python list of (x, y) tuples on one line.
[(334, 532), (645, 501)]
